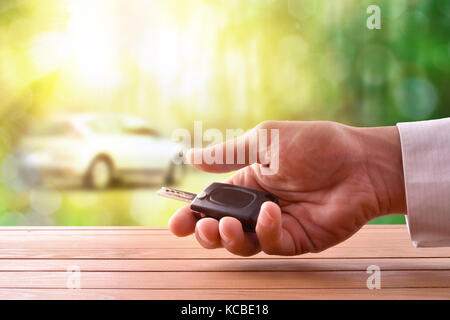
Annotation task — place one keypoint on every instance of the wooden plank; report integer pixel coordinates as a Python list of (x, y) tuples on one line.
[(230, 280), (134, 228), (98, 241), (71, 228), (165, 231), (147, 238), (363, 238), (364, 232), (150, 263), (200, 253), (239, 294), (84, 243), (87, 241), (227, 265)]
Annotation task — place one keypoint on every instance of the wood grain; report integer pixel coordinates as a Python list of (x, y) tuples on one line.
[(229, 280), (150, 263), (201, 265), (225, 294), (200, 253)]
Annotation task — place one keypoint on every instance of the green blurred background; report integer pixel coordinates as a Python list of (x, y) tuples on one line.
[(229, 63)]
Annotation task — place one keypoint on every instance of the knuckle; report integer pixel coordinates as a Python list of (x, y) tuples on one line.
[(266, 124)]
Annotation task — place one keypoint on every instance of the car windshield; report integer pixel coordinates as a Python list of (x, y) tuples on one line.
[(136, 126), (118, 125), (52, 128), (140, 129), (105, 125)]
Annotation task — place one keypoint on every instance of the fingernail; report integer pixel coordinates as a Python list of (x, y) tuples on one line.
[(203, 237), (226, 237), (265, 219)]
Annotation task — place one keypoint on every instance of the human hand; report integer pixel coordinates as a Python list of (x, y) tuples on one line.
[(331, 180)]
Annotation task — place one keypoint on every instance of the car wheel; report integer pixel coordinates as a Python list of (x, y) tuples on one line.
[(174, 174), (100, 175)]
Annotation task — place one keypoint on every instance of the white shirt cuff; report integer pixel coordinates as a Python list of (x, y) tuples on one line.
[(426, 165)]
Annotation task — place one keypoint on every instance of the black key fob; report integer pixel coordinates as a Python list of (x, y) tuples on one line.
[(222, 199)]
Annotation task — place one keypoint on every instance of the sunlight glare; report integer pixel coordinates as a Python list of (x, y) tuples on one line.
[(95, 53)]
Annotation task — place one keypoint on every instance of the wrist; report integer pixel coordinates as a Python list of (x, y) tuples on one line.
[(384, 165)]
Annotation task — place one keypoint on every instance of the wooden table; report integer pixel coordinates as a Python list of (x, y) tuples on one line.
[(150, 263)]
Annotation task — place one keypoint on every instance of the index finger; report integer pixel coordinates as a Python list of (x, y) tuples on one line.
[(239, 152)]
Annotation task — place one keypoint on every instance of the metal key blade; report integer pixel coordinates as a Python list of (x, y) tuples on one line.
[(176, 194)]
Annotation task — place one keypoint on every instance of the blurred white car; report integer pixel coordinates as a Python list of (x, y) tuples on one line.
[(99, 149)]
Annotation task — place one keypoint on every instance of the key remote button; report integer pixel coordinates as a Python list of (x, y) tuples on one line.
[(232, 197), (202, 195)]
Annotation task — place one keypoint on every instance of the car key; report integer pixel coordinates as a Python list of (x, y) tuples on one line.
[(225, 200)]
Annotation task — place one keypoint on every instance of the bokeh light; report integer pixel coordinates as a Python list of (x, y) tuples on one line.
[(48, 51), (13, 218), (303, 9), (416, 98), (376, 65), (11, 177), (45, 202)]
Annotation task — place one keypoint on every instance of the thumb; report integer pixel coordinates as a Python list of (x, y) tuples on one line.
[(271, 235), (230, 155)]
